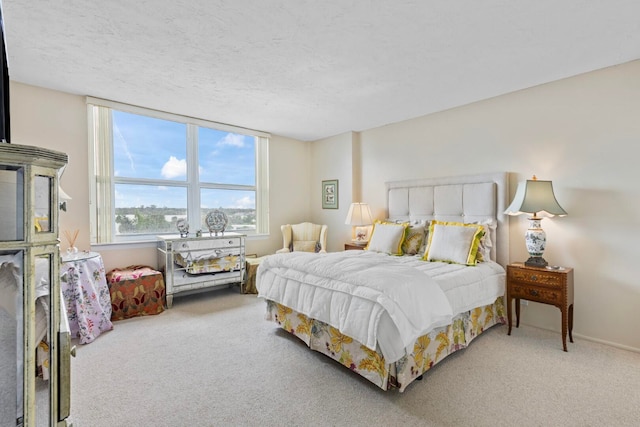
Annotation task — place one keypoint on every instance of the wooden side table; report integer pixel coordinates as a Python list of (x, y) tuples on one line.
[(554, 287), (352, 246)]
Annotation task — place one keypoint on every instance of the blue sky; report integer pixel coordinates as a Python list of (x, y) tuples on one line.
[(146, 147)]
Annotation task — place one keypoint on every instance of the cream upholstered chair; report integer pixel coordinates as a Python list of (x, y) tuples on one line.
[(304, 237)]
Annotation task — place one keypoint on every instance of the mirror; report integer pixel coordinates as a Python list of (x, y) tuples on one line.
[(42, 208), (11, 208)]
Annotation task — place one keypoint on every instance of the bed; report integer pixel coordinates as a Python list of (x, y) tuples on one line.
[(391, 318)]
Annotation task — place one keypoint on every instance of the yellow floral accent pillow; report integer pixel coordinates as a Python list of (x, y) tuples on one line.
[(413, 239), (453, 242), (484, 248), (387, 237)]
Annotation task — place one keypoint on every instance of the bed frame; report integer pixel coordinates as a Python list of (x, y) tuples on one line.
[(459, 198)]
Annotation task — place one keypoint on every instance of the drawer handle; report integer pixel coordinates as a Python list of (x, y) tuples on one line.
[(534, 277), (533, 292)]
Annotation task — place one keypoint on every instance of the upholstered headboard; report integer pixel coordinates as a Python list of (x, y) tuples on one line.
[(467, 198)]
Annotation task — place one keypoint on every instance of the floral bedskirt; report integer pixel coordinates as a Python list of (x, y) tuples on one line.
[(428, 350)]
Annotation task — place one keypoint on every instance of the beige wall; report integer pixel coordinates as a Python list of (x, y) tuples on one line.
[(58, 121), (582, 133), (333, 159)]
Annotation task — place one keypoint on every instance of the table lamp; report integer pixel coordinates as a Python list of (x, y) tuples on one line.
[(62, 195), (359, 216), (534, 196)]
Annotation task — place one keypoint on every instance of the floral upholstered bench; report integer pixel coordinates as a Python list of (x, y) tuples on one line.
[(249, 286), (136, 290)]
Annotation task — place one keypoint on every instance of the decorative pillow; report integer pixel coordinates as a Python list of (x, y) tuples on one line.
[(387, 237), (485, 245), (414, 239), (425, 241), (304, 246), (453, 242)]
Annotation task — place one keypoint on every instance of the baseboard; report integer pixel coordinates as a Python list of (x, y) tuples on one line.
[(588, 338), (609, 343)]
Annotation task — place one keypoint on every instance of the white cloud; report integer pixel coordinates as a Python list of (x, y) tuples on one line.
[(233, 139), (174, 168), (244, 203)]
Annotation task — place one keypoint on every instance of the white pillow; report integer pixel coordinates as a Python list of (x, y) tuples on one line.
[(453, 242), (387, 238)]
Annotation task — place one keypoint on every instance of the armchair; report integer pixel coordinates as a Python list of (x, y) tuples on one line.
[(304, 237)]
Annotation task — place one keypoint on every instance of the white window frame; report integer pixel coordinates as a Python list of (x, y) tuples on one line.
[(102, 179)]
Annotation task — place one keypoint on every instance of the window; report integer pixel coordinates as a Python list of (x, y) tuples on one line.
[(148, 169)]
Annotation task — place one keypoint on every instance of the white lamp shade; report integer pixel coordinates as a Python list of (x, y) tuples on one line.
[(359, 214), (62, 194), (533, 196)]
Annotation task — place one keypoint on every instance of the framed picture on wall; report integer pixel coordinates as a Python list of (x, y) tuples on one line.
[(330, 194)]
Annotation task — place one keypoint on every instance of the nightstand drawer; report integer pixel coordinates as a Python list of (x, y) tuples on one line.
[(536, 293), (352, 246), (537, 277)]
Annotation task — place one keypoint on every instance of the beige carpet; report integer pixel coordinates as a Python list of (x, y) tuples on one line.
[(212, 360)]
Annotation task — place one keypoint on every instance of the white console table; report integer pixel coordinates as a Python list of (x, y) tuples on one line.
[(205, 262)]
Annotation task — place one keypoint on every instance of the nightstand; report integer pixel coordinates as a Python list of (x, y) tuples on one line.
[(352, 246), (554, 287)]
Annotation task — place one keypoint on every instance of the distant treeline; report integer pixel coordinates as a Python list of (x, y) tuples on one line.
[(144, 219)]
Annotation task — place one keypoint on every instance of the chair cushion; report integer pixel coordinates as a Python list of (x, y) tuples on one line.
[(304, 246)]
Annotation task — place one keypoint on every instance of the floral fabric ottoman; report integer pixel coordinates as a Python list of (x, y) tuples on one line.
[(249, 286), (136, 290)]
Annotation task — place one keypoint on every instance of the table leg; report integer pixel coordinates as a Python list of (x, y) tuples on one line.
[(509, 302), (517, 312), (169, 300), (570, 322), (565, 316)]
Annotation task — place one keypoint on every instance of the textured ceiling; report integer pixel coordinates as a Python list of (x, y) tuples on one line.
[(311, 69)]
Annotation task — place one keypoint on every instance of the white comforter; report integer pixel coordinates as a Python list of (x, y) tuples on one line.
[(353, 291)]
